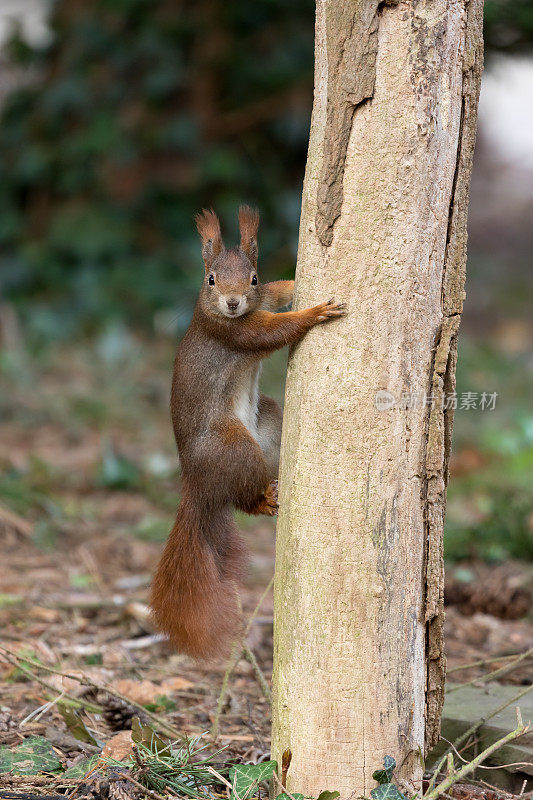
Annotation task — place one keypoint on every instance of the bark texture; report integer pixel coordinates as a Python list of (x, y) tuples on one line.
[(358, 664)]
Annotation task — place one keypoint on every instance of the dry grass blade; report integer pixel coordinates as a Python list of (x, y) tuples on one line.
[(220, 777), (496, 766), (236, 654), (250, 657), (20, 661)]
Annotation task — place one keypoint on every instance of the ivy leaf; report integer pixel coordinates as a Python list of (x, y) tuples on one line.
[(385, 775), (6, 760), (295, 795), (33, 756), (386, 791), (245, 778), (328, 795), (82, 768)]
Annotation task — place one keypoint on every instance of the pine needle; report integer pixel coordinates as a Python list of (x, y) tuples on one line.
[(179, 768)]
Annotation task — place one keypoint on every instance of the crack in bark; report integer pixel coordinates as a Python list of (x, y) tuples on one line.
[(434, 499), (454, 189)]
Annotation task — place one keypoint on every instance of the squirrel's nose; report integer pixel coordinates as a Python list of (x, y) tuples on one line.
[(232, 303)]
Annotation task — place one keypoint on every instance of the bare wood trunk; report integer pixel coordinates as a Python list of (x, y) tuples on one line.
[(359, 665)]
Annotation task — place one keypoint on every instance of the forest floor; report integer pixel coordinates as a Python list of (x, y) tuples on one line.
[(88, 487)]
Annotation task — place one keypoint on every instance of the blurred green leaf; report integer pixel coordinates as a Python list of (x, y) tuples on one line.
[(145, 735), (76, 725), (33, 756), (7, 600), (115, 471), (94, 659), (161, 703), (80, 580), (152, 529), (82, 768)]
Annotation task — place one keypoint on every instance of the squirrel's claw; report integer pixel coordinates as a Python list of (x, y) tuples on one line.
[(330, 310)]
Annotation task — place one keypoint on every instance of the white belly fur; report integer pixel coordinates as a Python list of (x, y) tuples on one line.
[(247, 398)]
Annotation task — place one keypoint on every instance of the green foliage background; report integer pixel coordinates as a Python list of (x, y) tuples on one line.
[(140, 112), (141, 115), (137, 114)]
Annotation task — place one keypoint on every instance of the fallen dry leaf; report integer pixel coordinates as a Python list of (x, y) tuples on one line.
[(142, 692), (119, 747), (175, 685), (44, 614), (65, 683), (145, 692), (140, 612)]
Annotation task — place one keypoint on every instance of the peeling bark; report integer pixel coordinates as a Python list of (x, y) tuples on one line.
[(443, 379), (359, 665), (351, 49)]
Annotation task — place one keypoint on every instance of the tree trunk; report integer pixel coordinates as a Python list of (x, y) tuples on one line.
[(358, 664)]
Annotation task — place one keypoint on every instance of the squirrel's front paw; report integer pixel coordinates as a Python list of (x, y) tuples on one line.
[(329, 310), (268, 502)]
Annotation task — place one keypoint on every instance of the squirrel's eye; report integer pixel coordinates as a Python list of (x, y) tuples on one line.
[(211, 280), (254, 280)]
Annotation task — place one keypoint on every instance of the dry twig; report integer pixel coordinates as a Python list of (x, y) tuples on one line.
[(497, 673), (454, 776), (281, 786), (163, 726), (473, 728), (482, 663), (15, 660)]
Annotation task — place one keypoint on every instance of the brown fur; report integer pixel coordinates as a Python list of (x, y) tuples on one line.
[(224, 463)]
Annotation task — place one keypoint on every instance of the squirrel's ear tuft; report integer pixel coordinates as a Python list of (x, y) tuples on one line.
[(248, 225), (209, 229)]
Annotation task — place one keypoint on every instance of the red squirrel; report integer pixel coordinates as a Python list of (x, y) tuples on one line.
[(227, 434)]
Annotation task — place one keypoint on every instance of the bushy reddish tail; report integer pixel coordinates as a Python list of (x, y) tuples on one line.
[(194, 597)]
